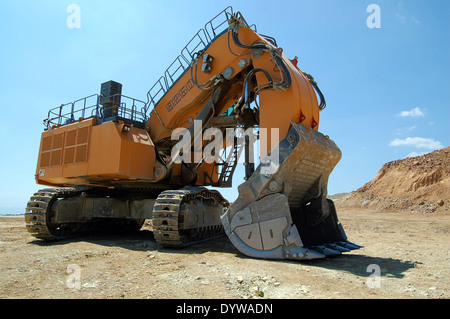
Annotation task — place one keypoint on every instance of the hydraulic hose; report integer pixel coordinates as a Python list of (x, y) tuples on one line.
[(278, 60), (322, 103)]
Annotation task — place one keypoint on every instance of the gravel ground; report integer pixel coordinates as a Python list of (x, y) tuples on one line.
[(404, 256)]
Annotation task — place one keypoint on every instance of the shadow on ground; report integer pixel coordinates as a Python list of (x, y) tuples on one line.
[(357, 264), (365, 266)]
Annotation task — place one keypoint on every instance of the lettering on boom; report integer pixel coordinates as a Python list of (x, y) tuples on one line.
[(180, 95)]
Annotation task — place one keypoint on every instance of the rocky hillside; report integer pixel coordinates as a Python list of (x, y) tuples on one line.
[(418, 184)]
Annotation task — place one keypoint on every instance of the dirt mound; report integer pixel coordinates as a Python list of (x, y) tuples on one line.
[(417, 184)]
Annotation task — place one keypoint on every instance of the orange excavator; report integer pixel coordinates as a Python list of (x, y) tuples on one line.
[(112, 162)]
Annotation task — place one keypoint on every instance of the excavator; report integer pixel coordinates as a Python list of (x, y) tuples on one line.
[(111, 162)]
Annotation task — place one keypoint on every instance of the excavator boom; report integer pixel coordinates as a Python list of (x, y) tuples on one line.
[(119, 160)]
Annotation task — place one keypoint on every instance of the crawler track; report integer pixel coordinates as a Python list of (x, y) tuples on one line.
[(169, 215), (39, 218)]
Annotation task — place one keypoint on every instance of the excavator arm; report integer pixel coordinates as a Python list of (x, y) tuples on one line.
[(282, 210), (228, 74)]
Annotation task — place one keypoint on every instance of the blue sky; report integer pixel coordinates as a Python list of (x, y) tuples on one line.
[(387, 89)]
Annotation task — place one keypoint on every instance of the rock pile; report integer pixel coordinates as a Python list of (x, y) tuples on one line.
[(419, 184)]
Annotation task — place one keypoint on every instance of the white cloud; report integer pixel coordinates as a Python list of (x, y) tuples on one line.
[(415, 112), (418, 142)]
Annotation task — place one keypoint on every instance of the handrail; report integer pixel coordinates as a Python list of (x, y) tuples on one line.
[(69, 112), (72, 112), (213, 29), (198, 42)]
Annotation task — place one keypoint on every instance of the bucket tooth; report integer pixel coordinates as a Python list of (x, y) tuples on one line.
[(353, 246), (326, 251), (350, 245), (341, 249)]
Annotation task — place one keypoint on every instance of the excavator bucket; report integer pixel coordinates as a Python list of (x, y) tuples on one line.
[(282, 211)]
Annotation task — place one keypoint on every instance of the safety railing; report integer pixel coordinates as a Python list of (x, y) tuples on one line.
[(73, 111), (199, 41), (129, 109)]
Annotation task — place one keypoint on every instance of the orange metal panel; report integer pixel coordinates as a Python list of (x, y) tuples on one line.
[(121, 154), (86, 153)]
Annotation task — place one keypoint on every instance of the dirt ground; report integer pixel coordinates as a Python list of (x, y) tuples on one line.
[(410, 251)]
